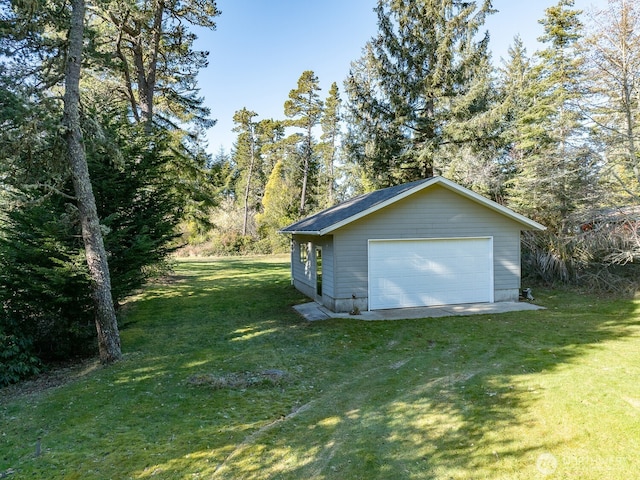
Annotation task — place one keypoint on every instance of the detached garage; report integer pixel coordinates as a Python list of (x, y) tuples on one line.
[(425, 243)]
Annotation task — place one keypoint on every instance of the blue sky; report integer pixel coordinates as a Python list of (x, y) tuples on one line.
[(260, 48)]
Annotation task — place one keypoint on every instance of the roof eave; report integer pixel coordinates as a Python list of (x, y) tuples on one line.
[(301, 232)]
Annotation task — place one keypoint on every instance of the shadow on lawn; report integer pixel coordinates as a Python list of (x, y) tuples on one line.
[(434, 398), (217, 317), (450, 408)]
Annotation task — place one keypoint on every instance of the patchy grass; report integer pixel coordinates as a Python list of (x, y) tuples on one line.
[(222, 380), (238, 380)]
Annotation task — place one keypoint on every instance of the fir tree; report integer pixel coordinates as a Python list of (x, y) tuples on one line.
[(419, 89), (554, 170)]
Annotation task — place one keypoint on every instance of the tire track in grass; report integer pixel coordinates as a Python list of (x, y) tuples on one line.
[(251, 439), (330, 395)]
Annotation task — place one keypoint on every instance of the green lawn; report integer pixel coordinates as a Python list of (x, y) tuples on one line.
[(222, 380)]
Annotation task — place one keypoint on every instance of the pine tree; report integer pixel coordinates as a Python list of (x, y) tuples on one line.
[(148, 49), (304, 108), (419, 89), (329, 147), (514, 80), (34, 51), (154, 56), (271, 138), (246, 156), (515, 83)]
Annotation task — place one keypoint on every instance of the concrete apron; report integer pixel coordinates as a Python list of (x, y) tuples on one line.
[(314, 311)]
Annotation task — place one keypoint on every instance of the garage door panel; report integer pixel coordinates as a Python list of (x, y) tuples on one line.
[(409, 273)]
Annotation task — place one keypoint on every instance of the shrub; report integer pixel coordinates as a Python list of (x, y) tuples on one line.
[(45, 295), (17, 360), (550, 257)]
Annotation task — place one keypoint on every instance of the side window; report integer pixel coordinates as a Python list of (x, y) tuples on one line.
[(304, 252)]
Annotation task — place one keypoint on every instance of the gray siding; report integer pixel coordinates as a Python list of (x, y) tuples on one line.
[(433, 213), (328, 265), (300, 271), (304, 274)]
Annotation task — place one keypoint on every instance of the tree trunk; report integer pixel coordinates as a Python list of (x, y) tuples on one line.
[(331, 181), (306, 165), (247, 189), (106, 323), (305, 179)]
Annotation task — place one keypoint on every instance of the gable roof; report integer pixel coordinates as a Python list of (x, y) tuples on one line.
[(332, 218)]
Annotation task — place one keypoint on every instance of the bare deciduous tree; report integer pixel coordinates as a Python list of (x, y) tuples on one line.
[(613, 53)]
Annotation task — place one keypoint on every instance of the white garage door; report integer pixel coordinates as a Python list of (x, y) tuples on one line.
[(415, 273)]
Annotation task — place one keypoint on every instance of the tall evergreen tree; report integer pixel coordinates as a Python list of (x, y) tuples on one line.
[(554, 169), (246, 157), (271, 137), (420, 87), (515, 79), (487, 166), (329, 147), (154, 73), (43, 271), (136, 199), (304, 109)]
